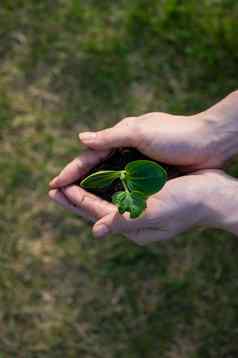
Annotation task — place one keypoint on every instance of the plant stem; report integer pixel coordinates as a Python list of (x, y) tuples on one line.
[(125, 186), (122, 177)]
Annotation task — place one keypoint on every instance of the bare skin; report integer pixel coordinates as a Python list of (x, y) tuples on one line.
[(198, 144)]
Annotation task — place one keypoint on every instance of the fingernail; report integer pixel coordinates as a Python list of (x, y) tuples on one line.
[(102, 230), (87, 136), (53, 181)]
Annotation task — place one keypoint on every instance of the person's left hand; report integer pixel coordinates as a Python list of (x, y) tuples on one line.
[(182, 203)]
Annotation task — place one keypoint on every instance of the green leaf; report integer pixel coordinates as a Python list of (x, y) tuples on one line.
[(134, 203), (100, 179), (119, 200), (145, 176)]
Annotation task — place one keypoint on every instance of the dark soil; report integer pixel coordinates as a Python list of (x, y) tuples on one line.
[(117, 161)]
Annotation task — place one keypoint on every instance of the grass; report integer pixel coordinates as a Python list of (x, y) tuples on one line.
[(67, 66)]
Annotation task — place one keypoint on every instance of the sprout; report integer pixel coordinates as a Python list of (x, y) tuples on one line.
[(140, 179)]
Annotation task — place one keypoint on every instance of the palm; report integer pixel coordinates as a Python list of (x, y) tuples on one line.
[(167, 214)]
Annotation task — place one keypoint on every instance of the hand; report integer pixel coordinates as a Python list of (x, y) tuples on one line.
[(201, 141), (182, 203)]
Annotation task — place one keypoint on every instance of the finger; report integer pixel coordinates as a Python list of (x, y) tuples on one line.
[(57, 196), (88, 202), (117, 224), (122, 135), (120, 224), (77, 168)]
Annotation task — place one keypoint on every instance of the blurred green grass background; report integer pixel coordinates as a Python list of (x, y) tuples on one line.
[(68, 66)]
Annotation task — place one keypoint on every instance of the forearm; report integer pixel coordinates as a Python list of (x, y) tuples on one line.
[(222, 124)]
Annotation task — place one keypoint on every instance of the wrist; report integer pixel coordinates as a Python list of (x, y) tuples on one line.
[(221, 123), (220, 204)]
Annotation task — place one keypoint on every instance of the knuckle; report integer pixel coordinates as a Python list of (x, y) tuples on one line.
[(157, 116), (115, 212), (133, 129), (78, 163), (82, 200), (129, 121), (152, 115)]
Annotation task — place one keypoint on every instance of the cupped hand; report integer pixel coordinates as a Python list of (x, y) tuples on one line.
[(201, 141), (183, 141), (181, 204), (177, 140)]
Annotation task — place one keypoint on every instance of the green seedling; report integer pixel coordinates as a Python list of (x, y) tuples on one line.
[(140, 179)]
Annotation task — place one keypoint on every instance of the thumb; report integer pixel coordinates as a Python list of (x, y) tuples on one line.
[(115, 223), (122, 135)]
